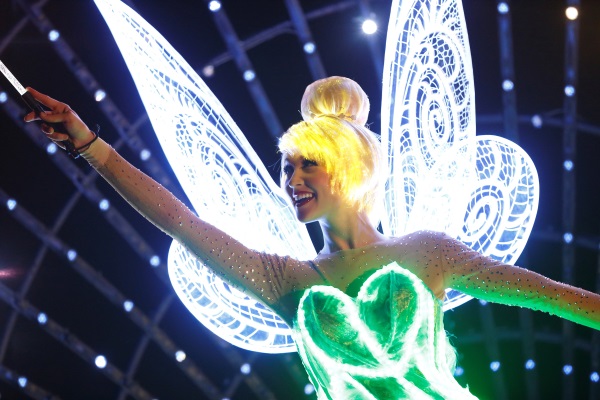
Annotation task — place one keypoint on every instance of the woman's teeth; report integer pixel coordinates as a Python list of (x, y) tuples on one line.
[(302, 199)]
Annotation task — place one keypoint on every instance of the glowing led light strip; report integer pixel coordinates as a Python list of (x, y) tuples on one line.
[(349, 349)]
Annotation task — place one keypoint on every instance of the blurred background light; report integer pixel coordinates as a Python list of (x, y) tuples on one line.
[(53, 35), (369, 26), (214, 5), (572, 13), (245, 369), (495, 365), (100, 361)]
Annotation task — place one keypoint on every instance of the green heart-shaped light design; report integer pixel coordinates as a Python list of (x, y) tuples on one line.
[(387, 343)]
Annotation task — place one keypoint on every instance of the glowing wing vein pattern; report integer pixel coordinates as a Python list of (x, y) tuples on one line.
[(222, 176), (482, 191), (501, 210)]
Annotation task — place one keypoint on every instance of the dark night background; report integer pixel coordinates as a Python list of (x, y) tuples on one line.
[(28, 174)]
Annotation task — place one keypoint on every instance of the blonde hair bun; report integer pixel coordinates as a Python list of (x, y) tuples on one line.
[(335, 96)]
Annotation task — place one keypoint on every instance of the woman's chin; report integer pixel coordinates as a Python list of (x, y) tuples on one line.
[(305, 219)]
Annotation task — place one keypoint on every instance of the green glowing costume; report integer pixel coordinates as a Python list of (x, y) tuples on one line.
[(387, 343)]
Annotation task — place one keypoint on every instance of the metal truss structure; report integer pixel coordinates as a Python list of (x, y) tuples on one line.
[(74, 324)]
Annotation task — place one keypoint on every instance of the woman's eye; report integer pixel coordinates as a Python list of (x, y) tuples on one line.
[(309, 163), (287, 170)]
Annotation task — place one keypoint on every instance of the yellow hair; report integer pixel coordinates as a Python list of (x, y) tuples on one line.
[(332, 136), (337, 96)]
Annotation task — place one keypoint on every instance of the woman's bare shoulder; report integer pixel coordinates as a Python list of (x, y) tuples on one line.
[(419, 252), (419, 240)]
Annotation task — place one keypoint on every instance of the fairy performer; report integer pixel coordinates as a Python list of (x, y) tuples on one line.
[(366, 311)]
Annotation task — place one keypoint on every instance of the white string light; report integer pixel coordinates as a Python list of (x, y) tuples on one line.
[(568, 165), (214, 5), (245, 369), (53, 35), (369, 26), (208, 71), (309, 389), (99, 95), (572, 13), (128, 305), (145, 154), (155, 261), (507, 85), (11, 204), (51, 148), (249, 75), (42, 318), (309, 47), (569, 90), (71, 255), (180, 355), (100, 361), (495, 366), (104, 205)]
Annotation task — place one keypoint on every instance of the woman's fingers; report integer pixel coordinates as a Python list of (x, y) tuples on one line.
[(55, 117), (30, 117), (44, 99), (61, 117), (57, 137)]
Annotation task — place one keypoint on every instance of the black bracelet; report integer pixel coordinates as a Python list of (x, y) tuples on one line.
[(74, 152), (70, 149)]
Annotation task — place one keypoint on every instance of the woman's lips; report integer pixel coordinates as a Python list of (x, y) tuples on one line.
[(303, 198)]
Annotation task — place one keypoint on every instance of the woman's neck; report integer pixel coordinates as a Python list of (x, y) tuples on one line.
[(348, 230)]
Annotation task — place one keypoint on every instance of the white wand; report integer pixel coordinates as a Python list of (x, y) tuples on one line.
[(33, 104)]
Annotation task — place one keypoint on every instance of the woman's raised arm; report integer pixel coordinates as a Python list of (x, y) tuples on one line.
[(267, 277), (484, 278)]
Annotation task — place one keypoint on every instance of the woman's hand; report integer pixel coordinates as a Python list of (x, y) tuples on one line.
[(59, 113)]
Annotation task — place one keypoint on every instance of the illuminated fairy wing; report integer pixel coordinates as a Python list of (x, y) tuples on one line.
[(224, 179), (428, 115), (503, 202), (482, 191)]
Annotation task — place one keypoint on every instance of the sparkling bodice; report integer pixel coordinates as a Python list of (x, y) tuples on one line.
[(386, 343)]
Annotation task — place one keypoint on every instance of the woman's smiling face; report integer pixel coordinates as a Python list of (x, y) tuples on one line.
[(309, 187)]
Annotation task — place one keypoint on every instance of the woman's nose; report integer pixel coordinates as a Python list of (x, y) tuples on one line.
[(295, 179)]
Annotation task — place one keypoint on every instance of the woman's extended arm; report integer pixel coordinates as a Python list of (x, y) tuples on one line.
[(268, 277), (479, 276)]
